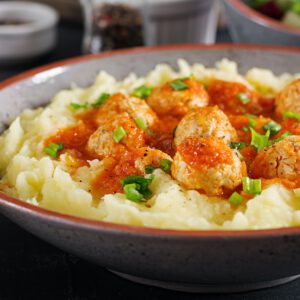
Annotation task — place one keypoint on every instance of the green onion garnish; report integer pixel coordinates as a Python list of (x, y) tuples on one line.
[(174, 131), (283, 136), (150, 169), (132, 192), (165, 165), (243, 98), (140, 123), (101, 99), (53, 149), (250, 116), (250, 125), (137, 187), (178, 85), (291, 115), (273, 127), (119, 134), (237, 146), (142, 92), (236, 199), (251, 186), (259, 141), (77, 106)]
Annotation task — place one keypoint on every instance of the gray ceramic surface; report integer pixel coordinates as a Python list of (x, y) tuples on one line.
[(207, 261), (248, 26)]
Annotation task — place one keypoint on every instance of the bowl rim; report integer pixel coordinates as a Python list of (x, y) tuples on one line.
[(261, 18), (9, 201)]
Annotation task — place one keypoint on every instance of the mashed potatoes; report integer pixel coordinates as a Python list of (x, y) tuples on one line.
[(29, 174)]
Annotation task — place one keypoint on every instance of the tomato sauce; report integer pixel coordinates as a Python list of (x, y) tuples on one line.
[(202, 152), (197, 152)]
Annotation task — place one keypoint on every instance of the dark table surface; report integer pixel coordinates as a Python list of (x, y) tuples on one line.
[(32, 269)]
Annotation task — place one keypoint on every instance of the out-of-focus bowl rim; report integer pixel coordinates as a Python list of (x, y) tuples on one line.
[(260, 18), (97, 225)]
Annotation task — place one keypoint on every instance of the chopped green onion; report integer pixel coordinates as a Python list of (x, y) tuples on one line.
[(132, 193), (77, 106), (178, 85), (237, 146), (243, 98), (283, 136), (142, 92), (251, 186), (101, 99), (119, 134), (141, 186), (273, 127), (251, 124), (140, 123), (150, 169), (291, 115), (236, 199), (259, 141), (165, 165), (250, 116), (53, 149), (174, 131)]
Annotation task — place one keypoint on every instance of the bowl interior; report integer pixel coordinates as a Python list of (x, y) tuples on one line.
[(37, 87)]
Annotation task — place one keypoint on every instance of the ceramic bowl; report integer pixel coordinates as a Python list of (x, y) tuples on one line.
[(249, 26), (28, 31), (195, 261)]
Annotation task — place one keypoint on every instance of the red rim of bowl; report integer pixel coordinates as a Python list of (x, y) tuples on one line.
[(94, 224), (260, 18)]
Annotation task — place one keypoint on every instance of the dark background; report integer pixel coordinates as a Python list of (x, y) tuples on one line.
[(32, 269)]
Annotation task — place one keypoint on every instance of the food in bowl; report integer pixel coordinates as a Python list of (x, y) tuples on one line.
[(198, 148), (286, 11)]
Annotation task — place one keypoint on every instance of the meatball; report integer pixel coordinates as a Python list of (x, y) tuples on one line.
[(289, 98), (150, 157), (207, 164), (166, 100), (205, 122), (102, 143), (282, 160), (234, 98), (121, 104)]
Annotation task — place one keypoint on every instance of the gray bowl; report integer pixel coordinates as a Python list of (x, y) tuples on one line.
[(249, 26), (195, 261)]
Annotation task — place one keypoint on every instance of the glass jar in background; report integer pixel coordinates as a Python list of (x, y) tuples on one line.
[(114, 24)]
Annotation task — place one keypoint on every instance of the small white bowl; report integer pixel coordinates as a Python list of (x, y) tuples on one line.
[(33, 34)]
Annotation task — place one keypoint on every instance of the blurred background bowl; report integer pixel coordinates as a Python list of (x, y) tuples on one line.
[(182, 21), (246, 25), (27, 30)]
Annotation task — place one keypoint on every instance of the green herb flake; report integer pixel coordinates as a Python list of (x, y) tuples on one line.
[(252, 123), (140, 123), (132, 192), (165, 165), (178, 85), (136, 187), (243, 97), (291, 115), (119, 134), (236, 199), (251, 186), (237, 145), (273, 127), (53, 149), (259, 141), (77, 106), (142, 92), (150, 169), (101, 99), (283, 136)]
